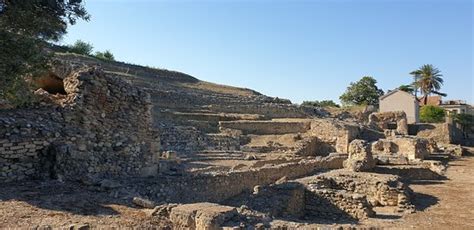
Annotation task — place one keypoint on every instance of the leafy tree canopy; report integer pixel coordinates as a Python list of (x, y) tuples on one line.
[(428, 79), (323, 103), (432, 114), (363, 92)]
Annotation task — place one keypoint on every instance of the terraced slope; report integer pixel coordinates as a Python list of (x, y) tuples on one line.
[(187, 111)]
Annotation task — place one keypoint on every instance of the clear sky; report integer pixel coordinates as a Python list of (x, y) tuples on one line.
[(300, 50)]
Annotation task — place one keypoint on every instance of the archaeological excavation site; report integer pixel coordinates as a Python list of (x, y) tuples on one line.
[(115, 145)]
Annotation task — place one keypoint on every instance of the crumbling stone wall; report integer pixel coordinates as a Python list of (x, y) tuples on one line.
[(379, 189), (443, 133), (266, 127), (217, 187), (409, 147), (24, 134), (101, 128), (337, 134), (390, 120)]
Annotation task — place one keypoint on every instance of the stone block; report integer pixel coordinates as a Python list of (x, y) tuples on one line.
[(360, 157), (206, 216)]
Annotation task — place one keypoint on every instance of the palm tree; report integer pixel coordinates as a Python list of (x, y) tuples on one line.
[(428, 79)]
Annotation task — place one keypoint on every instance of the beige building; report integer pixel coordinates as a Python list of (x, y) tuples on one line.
[(398, 100), (457, 107)]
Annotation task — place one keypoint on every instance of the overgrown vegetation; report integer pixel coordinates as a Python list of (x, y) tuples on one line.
[(81, 47), (432, 114), (323, 103), (362, 92), (26, 28), (85, 48), (107, 55)]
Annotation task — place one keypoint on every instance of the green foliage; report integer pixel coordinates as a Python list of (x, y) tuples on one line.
[(432, 114), (26, 27), (323, 103), (407, 88), (465, 120), (81, 47), (428, 79), (107, 55), (363, 92)]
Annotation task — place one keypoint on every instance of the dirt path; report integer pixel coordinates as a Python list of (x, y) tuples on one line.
[(445, 204)]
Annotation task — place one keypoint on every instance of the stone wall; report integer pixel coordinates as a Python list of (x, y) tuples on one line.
[(389, 120), (217, 187), (101, 127), (337, 134), (266, 127), (380, 189), (409, 147), (24, 134), (443, 133)]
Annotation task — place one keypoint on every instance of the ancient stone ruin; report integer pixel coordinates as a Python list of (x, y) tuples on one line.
[(206, 156)]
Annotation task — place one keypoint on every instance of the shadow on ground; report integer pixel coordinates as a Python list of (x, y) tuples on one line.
[(423, 201), (53, 195)]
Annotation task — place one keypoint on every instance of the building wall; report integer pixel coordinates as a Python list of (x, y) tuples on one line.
[(401, 101)]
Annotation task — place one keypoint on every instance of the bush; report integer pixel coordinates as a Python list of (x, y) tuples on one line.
[(323, 103), (81, 47), (432, 114), (107, 55)]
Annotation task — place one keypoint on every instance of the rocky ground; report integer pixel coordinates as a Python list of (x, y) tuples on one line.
[(439, 204)]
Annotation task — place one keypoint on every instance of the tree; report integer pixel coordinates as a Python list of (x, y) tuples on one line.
[(107, 55), (432, 114), (407, 88), (428, 79), (363, 92), (81, 47), (26, 27), (323, 103)]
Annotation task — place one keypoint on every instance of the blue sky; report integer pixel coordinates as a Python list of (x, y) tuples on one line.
[(300, 50)]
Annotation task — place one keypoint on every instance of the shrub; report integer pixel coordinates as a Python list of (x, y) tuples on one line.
[(81, 47), (323, 103), (432, 114), (107, 55)]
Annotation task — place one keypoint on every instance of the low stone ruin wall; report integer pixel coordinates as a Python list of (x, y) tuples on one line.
[(410, 172), (221, 186), (100, 127), (443, 133), (377, 189), (410, 147), (335, 133), (266, 127), (336, 204), (390, 120)]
